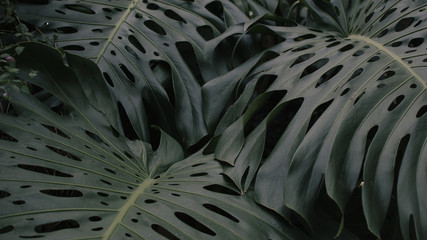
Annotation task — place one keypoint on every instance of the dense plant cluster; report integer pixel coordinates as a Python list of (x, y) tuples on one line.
[(213, 119)]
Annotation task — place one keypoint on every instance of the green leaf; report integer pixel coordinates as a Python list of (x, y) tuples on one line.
[(137, 43), (66, 172)]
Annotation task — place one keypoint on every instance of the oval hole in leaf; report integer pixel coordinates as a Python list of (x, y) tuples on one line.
[(199, 174), (220, 211), (128, 73), (302, 48), (422, 111), (63, 153), (67, 30), (416, 42), (205, 32), (374, 59), (56, 226), (403, 24), (396, 44), (333, 44), (6, 229), (153, 26), (396, 102), (302, 58), (4, 194), (187, 52), (317, 113), (386, 75), (7, 137), (192, 222), (382, 33), (220, 189), (79, 8), (44, 170), (346, 48), (216, 9), (387, 13), (134, 41), (56, 131), (73, 48), (304, 37), (314, 67), (62, 192), (328, 75), (152, 6), (173, 15), (162, 231), (95, 219)]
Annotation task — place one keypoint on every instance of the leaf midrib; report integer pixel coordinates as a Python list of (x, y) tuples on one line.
[(392, 55), (124, 209), (130, 7)]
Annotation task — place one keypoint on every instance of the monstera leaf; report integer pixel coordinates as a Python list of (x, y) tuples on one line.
[(154, 48), (67, 173), (342, 108), (259, 121)]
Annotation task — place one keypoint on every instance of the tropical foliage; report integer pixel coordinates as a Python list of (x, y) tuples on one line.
[(201, 119)]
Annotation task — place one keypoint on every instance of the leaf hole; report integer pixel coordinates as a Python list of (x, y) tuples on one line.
[(221, 189), (68, 193), (359, 97), (164, 232), (220, 211), (95, 218), (155, 27), (105, 181), (6, 229), (345, 91), (56, 131), (374, 59), (97, 30), (317, 113), (304, 37), (192, 222), (382, 33), (18, 202), (396, 102), (396, 44), (422, 111), (302, 48), (128, 129), (328, 75), (102, 194), (7, 137), (150, 201), (4, 194), (314, 67), (187, 53), (387, 13), (216, 9), (279, 121), (127, 72), (403, 24), (44, 170), (386, 75), (56, 226), (153, 6), (358, 53), (416, 42), (173, 15), (205, 32), (199, 174), (134, 41), (73, 48), (346, 48), (302, 58), (79, 8), (67, 30)]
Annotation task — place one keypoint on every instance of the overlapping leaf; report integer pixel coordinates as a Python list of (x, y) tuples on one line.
[(66, 173), (355, 115), (151, 54)]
